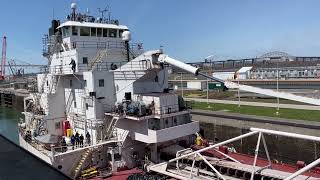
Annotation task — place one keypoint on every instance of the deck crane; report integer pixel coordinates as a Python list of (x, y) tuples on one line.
[(163, 58), (3, 58)]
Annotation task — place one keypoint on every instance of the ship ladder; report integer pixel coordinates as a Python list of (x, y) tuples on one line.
[(97, 59), (84, 157), (111, 127)]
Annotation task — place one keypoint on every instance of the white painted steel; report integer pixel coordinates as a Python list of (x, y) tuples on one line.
[(293, 135), (179, 64), (216, 145), (308, 167), (269, 92)]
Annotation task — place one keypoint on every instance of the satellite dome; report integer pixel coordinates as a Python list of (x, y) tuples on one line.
[(126, 36), (73, 5)]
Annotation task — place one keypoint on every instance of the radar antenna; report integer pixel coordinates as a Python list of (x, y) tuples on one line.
[(103, 11)]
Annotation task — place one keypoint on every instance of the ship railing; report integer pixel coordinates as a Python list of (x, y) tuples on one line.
[(147, 113), (102, 66), (105, 45), (255, 170)]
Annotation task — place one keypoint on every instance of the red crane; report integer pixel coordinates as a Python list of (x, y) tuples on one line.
[(4, 58)]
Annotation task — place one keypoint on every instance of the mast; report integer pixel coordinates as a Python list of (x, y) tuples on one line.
[(4, 58)]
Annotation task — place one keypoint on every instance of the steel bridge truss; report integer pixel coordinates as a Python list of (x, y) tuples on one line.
[(181, 171)]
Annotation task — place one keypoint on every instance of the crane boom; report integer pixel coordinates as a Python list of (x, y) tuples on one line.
[(230, 85)]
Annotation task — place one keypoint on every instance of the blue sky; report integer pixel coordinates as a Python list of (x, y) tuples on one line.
[(189, 30)]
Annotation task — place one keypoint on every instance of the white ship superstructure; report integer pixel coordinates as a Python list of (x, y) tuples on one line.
[(100, 84)]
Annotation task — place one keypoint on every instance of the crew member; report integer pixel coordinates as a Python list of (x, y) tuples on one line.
[(81, 138), (73, 65), (88, 138)]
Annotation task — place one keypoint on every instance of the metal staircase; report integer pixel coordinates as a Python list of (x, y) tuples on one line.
[(80, 165), (69, 102), (54, 85), (40, 129), (111, 128), (97, 59), (124, 135)]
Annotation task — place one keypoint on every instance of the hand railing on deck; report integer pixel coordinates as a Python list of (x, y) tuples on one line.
[(102, 66), (105, 45)]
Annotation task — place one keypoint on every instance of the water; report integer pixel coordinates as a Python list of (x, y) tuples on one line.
[(9, 119)]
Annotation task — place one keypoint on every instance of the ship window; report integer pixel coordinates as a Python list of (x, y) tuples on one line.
[(85, 83), (84, 31), (112, 33), (93, 32), (120, 32), (105, 32), (101, 82), (57, 125), (99, 32), (66, 31), (85, 60), (87, 106), (74, 31), (75, 104)]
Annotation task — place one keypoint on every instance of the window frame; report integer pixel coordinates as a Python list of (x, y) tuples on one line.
[(83, 32), (95, 32), (74, 30), (101, 82), (105, 32), (84, 60), (111, 31), (99, 32)]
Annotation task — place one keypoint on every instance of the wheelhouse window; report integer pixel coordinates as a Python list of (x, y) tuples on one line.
[(101, 82), (66, 31), (84, 31), (74, 31), (93, 32), (99, 32), (105, 32), (112, 33), (120, 33)]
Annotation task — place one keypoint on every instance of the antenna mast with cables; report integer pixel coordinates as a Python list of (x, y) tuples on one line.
[(4, 58), (103, 11)]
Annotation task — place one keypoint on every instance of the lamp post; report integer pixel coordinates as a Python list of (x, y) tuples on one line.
[(277, 112), (208, 91), (237, 76), (181, 84)]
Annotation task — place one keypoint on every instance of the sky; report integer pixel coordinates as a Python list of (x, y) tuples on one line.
[(189, 30)]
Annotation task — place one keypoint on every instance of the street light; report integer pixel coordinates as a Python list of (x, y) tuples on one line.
[(181, 84), (237, 76), (277, 112), (208, 91)]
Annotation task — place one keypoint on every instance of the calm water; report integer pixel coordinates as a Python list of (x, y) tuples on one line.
[(9, 119)]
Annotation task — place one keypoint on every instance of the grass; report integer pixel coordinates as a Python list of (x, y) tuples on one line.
[(309, 115)]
